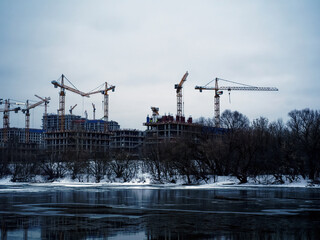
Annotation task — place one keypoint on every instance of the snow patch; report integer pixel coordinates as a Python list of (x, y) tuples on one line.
[(6, 181), (146, 180)]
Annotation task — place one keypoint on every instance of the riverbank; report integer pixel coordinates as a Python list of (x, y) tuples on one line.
[(147, 180)]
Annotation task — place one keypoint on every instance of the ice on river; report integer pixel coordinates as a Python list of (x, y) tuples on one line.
[(215, 210)]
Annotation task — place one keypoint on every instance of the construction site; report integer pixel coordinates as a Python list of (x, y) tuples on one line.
[(63, 132)]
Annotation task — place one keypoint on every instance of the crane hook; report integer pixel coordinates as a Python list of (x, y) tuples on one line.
[(229, 96)]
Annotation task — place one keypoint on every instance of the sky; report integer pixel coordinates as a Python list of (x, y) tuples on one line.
[(145, 47)]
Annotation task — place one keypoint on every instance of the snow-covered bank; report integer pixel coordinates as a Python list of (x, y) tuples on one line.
[(145, 180)]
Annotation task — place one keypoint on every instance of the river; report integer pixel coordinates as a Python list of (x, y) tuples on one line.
[(89, 211)]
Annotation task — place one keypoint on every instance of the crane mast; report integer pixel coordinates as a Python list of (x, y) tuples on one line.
[(27, 123), (6, 115), (179, 95), (218, 91), (106, 106), (216, 105), (94, 111), (62, 101)]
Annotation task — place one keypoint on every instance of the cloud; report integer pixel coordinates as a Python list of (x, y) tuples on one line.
[(145, 47)]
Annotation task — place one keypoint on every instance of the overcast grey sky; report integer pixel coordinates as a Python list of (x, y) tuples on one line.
[(145, 47)]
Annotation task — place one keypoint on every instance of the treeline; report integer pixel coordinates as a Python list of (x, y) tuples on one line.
[(284, 150), (81, 166), (245, 150)]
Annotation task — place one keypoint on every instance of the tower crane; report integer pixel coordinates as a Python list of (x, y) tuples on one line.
[(62, 96), (27, 112), (106, 101), (219, 91), (179, 95), (6, 115), (46, 101), (94, 111), (72, 107)]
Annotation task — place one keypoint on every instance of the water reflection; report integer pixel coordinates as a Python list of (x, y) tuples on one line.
[(117, 213)]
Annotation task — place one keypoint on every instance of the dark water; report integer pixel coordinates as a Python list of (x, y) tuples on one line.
[(156, 212)]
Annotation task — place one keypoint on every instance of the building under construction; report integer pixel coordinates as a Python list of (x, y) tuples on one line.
[(72, 133), (18, 135), (128, 140), (89, 136), (15, 148), (19, 143), (75, 122), (167, 128), (68, 133), (62, 132), (80, 134)]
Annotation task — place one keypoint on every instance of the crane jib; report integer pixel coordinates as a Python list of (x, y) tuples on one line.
[(238, 88), (249, 88)]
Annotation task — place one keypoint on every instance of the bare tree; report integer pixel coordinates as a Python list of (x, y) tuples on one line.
[(244, 154), (24, 170), (205, 121), (4, 163), (212, 154), (237, 143), (52, 166), (304, 126), (77, 163), (183, 158), (158, 158), (234, 120), (98, 165), (122, 166), (282, 162)]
